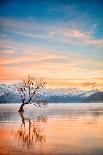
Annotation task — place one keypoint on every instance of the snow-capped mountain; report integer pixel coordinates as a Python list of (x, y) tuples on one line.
[(9, 93), (68, 91), (8, 88)]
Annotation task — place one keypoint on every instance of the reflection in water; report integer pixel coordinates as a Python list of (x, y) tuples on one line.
[(65, 131), (31, 132)]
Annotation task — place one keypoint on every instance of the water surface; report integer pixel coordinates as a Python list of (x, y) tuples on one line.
[(58, 129)]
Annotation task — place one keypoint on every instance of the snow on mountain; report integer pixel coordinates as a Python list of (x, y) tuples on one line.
[(12, 88), (8, 88), (68, 91), (9, 94)]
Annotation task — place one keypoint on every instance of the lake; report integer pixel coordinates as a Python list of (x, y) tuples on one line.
[(58, 129)]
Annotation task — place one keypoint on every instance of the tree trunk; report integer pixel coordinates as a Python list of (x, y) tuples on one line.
[(22, 117), (21, 107)]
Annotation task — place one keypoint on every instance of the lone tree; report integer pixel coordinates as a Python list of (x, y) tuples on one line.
[(29, 89)]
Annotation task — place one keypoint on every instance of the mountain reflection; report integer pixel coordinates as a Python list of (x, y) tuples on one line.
[(31, 131)]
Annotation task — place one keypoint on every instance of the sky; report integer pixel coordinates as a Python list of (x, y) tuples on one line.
[(60, 41)]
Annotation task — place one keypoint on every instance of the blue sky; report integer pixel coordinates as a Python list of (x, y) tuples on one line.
[(66, 34)]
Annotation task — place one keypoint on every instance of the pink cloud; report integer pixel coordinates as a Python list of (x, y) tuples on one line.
[(76, 36), (62, 34)]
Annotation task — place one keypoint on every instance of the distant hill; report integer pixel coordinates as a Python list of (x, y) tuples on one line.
[(96, 97), (10, 98)]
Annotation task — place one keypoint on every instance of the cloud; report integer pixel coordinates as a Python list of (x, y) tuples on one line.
[(19, 58), (3, 52), (76, 36), (31, 53), (52, 32), (89, 83), (45, 63), (28, 54)]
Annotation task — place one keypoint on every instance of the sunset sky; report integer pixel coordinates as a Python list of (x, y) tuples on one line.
[(60, 41)]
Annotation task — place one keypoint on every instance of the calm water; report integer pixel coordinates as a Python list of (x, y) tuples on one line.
[(58, 129)]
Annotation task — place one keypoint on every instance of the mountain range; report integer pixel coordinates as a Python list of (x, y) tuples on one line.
[(9, 94)]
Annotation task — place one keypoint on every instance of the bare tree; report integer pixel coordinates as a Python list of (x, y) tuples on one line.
[(28, 89)]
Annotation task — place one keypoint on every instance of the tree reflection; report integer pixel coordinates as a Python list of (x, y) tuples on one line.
[(31, 132), (96, 114)]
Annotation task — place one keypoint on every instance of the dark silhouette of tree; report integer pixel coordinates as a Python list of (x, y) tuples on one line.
[(30, 89)]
